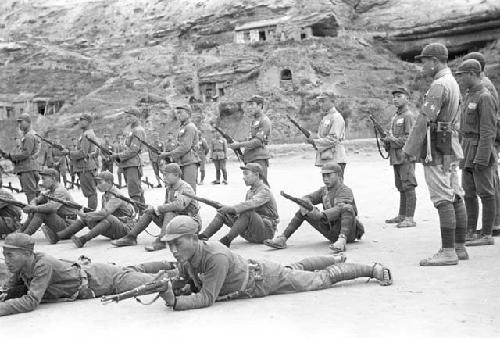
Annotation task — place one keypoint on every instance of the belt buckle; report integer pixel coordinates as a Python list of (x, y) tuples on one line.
[(443, 126)]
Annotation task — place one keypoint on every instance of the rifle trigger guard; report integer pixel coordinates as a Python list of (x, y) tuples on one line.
[(147, 303)]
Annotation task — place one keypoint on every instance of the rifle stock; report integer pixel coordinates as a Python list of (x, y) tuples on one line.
[(149, 146), (12, 202), (69, 204), (378, 128), (213, 204), (300, 201), (230, 140)]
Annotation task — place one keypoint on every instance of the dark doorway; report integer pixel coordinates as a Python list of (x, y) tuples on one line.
[(286, 75), (262, 35), (41, 109)]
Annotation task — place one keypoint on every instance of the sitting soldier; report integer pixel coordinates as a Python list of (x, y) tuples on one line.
[(10, 215)]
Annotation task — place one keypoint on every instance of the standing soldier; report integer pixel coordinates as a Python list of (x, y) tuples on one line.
[(404, 167), (203, 151), (331, 134), (25, 158), (119, 147), (186, 151), (479, 166), (260, 134), (45, 157), (107, 161), (59, 159), (434, 140), (218, 147), (130, 160), (72, 162), (154, 157), (85, 157)]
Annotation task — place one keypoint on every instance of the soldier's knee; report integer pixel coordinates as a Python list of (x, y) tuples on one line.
[(347, 209)]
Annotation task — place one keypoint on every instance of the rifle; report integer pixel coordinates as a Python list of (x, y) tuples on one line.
[(11, 188), (300, 201), (68, 204), (149, 146), (12, 202), (155, 286), (102, 149), (230, 140), (213, 204), (51, 143), (380, 133), (138, 204), (77, 185), (303, 130)]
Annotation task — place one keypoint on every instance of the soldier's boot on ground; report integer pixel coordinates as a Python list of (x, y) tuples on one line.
[(445, 256), (226, 241), (156, 245), (224, 181), (481, 240), (495, 231), (397, 219), (216, 182), (128, 240), (213, 227), (461, 252), (277, 243), (70, 231), (50, 234), (347, 271), (470, 236), (407, 223), (339, 245), (79, 241), (131, 238)]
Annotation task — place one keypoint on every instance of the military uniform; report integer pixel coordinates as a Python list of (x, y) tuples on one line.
[(107, 162), (59, 159), (255, 146), (154, 157), (331, 134), (113, 221), (118, 148), (218, 155), (203, 151), (10, 215)]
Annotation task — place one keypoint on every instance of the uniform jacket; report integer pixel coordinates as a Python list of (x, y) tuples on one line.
[(130, 157), (9, 210), (218, 148), (176, 202), (493, 91), (440, 105), (260, 199), (333, 200), (85, 155), (153, 157), (331, 134), (186, 151), (46, 206), (203, 148), (260, 135), (111, 205), (401, 124), (26, 154), (478, 127)]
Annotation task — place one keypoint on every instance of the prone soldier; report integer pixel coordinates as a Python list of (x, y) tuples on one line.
[(218, 148)]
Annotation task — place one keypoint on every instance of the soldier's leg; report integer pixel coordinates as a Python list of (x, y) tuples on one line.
[(88, 187), (342, 166), (250, 226), (131, 238), (134, 188), (496, 225), (408, 185), (224, 170), (280, 241), (217, 171), (29, 184), (156, 170), (461, 228), (71, 230), (110, 227), (471, 202), (53, 224), (347, 231), (202, 171), (119, 174), (190, 174), (158, 244), (35, 223), (215, 225), (317, 262)]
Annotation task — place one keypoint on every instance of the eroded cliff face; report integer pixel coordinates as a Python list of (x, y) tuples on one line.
[(144, 57)]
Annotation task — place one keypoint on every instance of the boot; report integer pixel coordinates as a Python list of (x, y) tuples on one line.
[(128, 240), (79, 241), (277, 243), (382, 274), (406, 223), (445, 256), (226, 241), (71, 230), (461, 252), (481, 240), (50, 234), (470, 236), (216, 182), (339, 245), (397, 219), (224, 182), (495, 231), (156, 245)]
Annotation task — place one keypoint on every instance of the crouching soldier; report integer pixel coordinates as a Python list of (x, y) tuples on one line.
[(226, 275), (255, 219), (37, 278), (10, 215), (53, 215), (175, 204), (112, 221), (337, 222)]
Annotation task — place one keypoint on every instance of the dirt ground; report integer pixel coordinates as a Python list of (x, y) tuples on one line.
[(456, 301)]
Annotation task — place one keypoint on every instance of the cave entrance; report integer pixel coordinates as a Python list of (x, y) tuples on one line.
[(262, 35), (286, 75)]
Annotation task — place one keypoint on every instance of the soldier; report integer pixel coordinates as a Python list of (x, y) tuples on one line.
[(45, 157), (72, 162), (260, 134), (154, 158), (175, 204), (59, 161), (404, 168), (331, 134), (438, 120), (119, 147), (52, 214), (484, 79), (85, 157), (220, 274), (107, 162), (25, 158), (337, 222), (130, 160), (170, 145), (186, 151), (218, 147), (10, 215), (478, 131), (255, 219), (113, 221), (203, 151), (39, 278)]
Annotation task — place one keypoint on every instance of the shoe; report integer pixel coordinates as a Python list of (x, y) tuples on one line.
[(215, 182), (159, 185), (224, 182), (397, 219), (277, 243), (50, 235), (125, 241), (201, 183), (156, 246), (339, 245), (224, 240), (443, 257), (382, 274), (481, 240), (461, 252), (470, 236), (496, 231), (406, 224), (78, 241)]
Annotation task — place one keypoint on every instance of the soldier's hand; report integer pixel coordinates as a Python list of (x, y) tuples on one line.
[(168, 295), (29, 208), (310, 140), (315, 214), (164, 155), (226, 209), (234, 145)]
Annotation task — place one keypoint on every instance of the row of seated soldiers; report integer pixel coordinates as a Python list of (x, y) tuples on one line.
[(254, 219)]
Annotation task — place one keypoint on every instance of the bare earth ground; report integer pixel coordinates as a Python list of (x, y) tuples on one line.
[(457, 301)]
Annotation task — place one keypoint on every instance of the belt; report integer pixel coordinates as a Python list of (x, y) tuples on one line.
[(243, 291), (470, 135)]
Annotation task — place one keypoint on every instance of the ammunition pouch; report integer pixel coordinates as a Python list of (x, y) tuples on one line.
[(441, 133)]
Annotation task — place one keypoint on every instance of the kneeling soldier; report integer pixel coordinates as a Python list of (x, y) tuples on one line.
[(10, 215), (175, 204), (226, 275), (255, 219), (52, 214), (337, 222), (112, 221)]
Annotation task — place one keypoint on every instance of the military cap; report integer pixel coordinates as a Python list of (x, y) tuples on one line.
[(180, 226), (471, 65), (49, 172), (172, 168), (86, 116), (19, 241), (476, 56), (104, 176), (331, 167), (401, 90), (253, 167), (24, 117), (257, 99), (436, 50)]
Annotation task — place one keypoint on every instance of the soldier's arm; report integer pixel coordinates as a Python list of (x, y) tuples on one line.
[(260, 138), (185, 144), (180, 203), (109, 208), (134, 148), (343, 200), (260, 198), (399, 142), (26, 149), (213, 279), (315, 197), (331, 140), (487, 129), (29, 302)]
